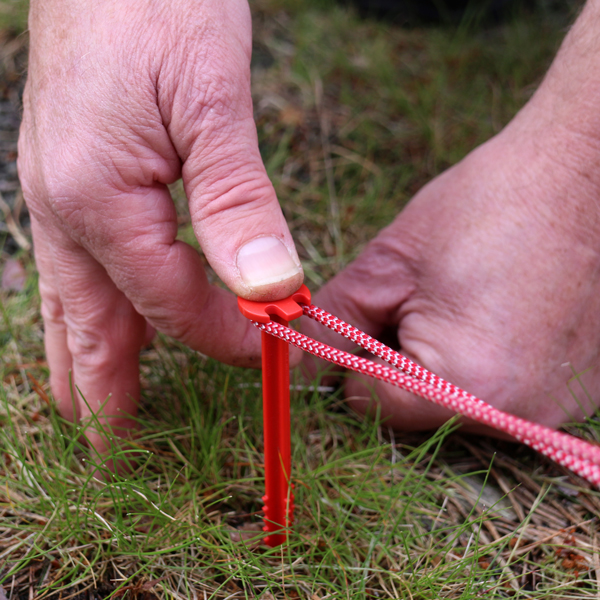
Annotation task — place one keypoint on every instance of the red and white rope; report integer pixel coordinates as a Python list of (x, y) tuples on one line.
[(581, 457)]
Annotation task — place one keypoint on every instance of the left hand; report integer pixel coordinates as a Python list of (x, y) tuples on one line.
[(490, 278)]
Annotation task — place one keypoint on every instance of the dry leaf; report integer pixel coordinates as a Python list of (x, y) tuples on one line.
[(290, 115)]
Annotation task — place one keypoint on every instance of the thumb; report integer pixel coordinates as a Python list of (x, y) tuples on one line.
[(238, 221), (235, 213), (243, 233)]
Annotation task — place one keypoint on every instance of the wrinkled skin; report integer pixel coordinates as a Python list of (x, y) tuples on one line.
[(491, 276), (122, 99)]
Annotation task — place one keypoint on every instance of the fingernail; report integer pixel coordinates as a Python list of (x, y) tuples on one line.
[(265, 260)]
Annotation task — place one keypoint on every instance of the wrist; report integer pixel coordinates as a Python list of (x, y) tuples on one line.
[(566, 106), (553, 174)]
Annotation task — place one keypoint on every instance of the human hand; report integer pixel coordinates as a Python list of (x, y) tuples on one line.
[(490, 280), (121, 100), (490, 277)]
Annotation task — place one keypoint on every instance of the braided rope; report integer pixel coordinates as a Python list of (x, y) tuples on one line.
[(581, 457)]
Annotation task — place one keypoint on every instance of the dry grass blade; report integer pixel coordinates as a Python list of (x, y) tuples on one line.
[(13, 225)]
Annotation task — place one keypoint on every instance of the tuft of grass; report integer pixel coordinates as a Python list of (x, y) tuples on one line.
[(377, 515)]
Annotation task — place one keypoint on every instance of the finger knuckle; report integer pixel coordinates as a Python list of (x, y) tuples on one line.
[(209, 105), (237, 195), (103, 344), (52, 308), (90, 347)]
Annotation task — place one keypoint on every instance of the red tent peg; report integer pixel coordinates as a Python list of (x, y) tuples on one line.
[(278, 500)]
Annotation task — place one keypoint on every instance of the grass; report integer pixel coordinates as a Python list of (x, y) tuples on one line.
[(353, 116), (13, 15)]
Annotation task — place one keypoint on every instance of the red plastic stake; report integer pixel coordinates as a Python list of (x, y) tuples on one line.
[(278, 499)]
